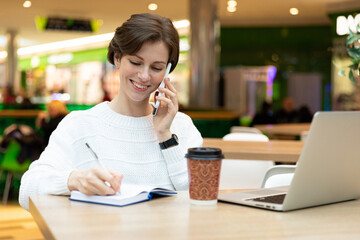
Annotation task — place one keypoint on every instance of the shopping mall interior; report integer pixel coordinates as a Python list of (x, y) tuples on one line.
[(260, 52), (235, 55), (301, 46)]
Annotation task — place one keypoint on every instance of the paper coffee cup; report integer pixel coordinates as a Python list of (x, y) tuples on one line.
[(204, 166)]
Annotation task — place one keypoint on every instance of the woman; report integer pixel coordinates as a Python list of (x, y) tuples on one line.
[(47, 122), (135, 146)]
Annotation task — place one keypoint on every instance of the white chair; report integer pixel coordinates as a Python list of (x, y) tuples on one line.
[(278, 176), (252, 137), (243, 174), (242, 129), (303, 135), (281, 175)]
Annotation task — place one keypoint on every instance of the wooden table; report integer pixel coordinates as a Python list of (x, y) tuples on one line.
[(175, 218), (274, 150), (293, 129)]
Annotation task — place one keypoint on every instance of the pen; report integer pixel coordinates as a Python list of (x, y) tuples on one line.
[(97, 160)]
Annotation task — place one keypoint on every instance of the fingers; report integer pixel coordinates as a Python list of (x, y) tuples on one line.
[(169, 95), (110, 178), (93, 181), (169, 88), (115, 180)]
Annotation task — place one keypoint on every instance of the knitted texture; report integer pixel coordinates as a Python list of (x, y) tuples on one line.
[(127, 145)]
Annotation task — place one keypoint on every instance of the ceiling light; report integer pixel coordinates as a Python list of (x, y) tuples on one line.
[(232, 3), (152, 6), (294, 11), (27, 4), (231, 9)]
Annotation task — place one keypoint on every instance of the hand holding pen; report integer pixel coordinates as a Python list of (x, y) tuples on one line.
[(97, 158), (95, 181)]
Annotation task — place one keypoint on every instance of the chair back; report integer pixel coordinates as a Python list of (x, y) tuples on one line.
[(254, 137), (9, 161), (303, 135), (242, 129), (240, 174), (278, 176)]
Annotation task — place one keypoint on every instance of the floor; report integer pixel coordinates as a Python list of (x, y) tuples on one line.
[(17, 224)]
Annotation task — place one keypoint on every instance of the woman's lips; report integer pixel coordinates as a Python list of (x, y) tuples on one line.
[(138, 86)]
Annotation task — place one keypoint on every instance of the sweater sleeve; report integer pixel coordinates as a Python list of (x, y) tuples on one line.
[(175, 159), (49, 174)]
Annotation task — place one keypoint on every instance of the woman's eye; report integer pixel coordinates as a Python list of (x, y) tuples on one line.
[(135, 63), (157, 69)]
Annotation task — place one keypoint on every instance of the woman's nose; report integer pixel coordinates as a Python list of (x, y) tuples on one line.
[(144, 74)]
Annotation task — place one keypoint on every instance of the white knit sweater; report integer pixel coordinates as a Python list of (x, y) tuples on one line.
[(125, 144)]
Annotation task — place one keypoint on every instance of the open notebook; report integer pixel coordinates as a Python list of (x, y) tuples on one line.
[(129, 194), (327, 170)]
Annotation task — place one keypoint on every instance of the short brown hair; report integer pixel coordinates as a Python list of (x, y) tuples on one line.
[(141, 28)]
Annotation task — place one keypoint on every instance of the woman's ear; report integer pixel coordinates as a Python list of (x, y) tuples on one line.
[(117, 61)]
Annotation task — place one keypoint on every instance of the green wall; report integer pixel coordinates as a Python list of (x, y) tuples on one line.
[(98, 54), (290, 49)]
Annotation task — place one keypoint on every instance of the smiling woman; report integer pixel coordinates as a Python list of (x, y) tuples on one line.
[(137, 147)]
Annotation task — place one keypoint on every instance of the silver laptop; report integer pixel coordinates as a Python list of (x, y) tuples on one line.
[(328, 169)]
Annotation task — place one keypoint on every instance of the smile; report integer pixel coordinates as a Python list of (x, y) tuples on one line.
[(139, 86)]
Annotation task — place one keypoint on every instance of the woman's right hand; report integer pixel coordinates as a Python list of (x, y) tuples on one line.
[(93, 181)]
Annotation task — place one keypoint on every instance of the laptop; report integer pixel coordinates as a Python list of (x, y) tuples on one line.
[(328, 169)]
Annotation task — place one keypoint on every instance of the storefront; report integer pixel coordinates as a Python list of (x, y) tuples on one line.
[(84, 77)]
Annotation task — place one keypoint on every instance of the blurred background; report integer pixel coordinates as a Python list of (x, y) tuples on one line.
[(242, 63), (273, 49), (238, 58)]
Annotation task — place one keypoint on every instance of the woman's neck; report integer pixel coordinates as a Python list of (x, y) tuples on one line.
[(130, 108)]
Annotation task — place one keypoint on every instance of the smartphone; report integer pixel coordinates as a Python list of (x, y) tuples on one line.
[(162, 84)]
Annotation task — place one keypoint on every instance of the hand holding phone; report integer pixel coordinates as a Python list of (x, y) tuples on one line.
[(162, 84)]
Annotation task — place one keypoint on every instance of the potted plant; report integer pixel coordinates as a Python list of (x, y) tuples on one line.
[(353, 49)]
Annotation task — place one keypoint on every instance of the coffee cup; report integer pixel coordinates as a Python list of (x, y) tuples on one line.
[(204, 166)]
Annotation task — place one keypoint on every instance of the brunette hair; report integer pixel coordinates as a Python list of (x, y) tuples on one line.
[(141, 28)]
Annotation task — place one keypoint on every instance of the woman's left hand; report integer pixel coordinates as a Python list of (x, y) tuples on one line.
[(167, 110)]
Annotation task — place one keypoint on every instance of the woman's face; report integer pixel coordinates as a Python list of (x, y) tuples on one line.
[(141, 73)]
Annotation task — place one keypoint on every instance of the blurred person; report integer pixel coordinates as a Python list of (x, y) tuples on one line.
[(265, 116), (48, 121), (304, 114), (136, 147), (8, 95), (288, 113), (30, 141), (24, 100)]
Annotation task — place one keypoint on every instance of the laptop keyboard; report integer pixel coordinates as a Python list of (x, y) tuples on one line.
[(277, 199)]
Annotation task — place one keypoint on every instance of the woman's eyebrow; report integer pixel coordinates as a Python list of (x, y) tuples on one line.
[(138, 57), (153, 62)]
